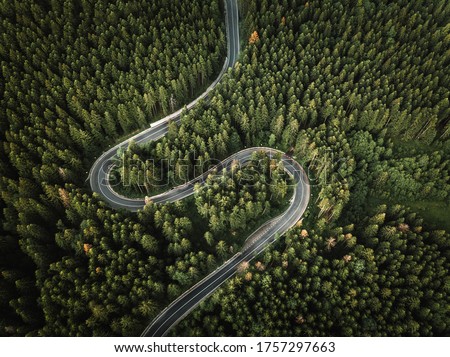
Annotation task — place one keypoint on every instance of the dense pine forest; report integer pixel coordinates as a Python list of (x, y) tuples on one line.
[(75, 77), (357, 90)]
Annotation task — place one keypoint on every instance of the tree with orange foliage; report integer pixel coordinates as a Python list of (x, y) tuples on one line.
[(87, 247), (254, 37), (242, 268)]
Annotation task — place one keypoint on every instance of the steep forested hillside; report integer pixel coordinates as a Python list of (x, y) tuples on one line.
[(357, 90)]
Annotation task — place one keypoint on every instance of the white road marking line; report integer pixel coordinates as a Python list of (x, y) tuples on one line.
[(151, 134)]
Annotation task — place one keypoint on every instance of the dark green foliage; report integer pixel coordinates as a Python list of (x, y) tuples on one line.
[(75, 77), (187, 151), (109, 282), (374, 75), (232, 201), (378, 66), (391, 282), (357, 91)]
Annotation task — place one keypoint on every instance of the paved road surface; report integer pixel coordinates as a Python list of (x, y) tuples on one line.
[(256, 243), (98, 175), (259, 241)]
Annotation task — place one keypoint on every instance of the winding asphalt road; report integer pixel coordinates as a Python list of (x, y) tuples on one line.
[(255, 243), (99, 173)]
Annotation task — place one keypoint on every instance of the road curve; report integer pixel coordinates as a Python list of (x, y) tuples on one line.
[(256, 243), (98, 175)]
